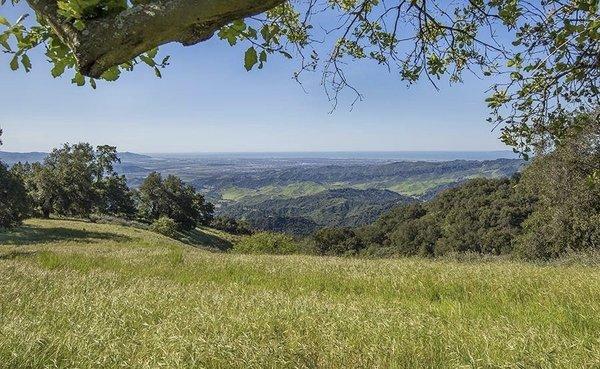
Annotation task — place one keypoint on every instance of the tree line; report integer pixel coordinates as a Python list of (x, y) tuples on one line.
[(79, 180), (550, 209)]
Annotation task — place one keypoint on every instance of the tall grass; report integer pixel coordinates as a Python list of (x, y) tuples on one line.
[(115, 297)]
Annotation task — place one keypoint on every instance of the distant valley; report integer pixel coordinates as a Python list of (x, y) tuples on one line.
[(302, 194)]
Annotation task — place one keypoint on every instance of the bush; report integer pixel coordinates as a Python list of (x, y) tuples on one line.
[(231, 225), (336, 241), (165, 226), (267, 243), (14, 202)]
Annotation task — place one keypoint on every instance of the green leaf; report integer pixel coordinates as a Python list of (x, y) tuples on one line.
[(78, 79), (157, 72), (250, 59), (148, 60), (4, 41), (26, 63), (112, 74), (152, 53), (4, 21), (58, 69), (262, 58), (93, 83), (14, 63), (229, 34), (79, 25), (238, 25), (251, 33)]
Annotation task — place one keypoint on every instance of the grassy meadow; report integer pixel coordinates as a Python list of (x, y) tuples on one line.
[(84, 295)]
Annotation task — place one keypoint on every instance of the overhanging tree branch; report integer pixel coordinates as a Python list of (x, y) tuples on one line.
[(116, 39)]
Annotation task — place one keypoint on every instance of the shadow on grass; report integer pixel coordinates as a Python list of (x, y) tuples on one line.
[(199, 238), (13, 254), (28, 235)]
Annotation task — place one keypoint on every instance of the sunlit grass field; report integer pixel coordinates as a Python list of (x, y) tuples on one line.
[(83, 295)]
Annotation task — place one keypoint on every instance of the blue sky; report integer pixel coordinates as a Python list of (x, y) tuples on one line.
[(207, 102)]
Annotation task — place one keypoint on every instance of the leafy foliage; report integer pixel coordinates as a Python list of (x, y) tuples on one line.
[(231, 225), (335, 241), (566, 183), (14, 202), (481, 216), (552, 209), (174, 199), (116, 198), (296, 225), (79, 180), (18, 40), (165, 226), (541, 57), (267, 243), (76, 180)]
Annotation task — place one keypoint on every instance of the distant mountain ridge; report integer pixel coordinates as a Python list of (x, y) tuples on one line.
[(359, 173), (11, 158)]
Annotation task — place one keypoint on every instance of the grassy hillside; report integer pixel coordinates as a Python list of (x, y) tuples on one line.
[(86, 295)]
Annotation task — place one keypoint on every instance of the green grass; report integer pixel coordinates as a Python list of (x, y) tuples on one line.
[(292, 190), (85, 295)]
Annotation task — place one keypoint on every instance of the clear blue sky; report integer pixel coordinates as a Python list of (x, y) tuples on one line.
[(207, 102)]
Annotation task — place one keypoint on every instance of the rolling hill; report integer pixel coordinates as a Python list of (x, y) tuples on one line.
[(85, 295), (304, 199)]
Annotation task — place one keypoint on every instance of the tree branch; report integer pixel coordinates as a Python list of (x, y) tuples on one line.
[(117, 39)]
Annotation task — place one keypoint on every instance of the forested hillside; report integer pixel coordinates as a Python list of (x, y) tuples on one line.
[(351, 195), (550, 209), (302, 215), (404, 177)]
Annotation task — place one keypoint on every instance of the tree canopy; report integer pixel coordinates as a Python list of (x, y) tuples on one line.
[(14, 204), (77, 180), (172, 198), (542, 57), (551, 209)]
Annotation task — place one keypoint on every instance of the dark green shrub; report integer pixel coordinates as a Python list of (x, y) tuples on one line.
[(165, 226), (267, 243), (566, 182), (336, 241), (171, 197), (231, 225), (14, 202)]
